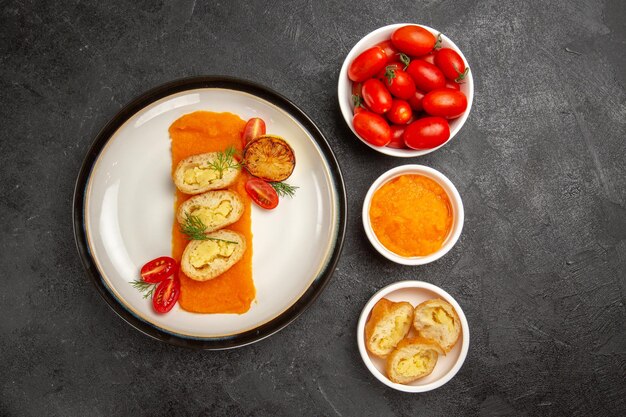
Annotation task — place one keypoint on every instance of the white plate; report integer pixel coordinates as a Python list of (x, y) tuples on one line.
[(124, 209), (415, 292)]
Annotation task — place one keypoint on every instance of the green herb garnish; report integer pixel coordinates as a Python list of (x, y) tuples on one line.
[(283, 189), (145, 287), (224, 161), (195, 229)]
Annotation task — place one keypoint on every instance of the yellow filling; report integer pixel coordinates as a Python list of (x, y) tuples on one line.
[(213, 215), (389, 341), (200, 175), (440, 316), (414, 365), (207, 251)]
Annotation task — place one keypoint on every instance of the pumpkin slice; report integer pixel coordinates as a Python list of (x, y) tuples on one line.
[(269, 158)]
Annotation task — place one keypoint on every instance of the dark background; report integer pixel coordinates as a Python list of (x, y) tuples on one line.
[(539, 269)]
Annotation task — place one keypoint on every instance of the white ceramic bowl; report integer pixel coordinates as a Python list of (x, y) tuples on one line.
[(415, 292), (344, 89), (455, 201)]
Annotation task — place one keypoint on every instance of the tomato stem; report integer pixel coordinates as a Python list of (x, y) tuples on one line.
[(357, 100), (390, 73), (461, 78), (405, 60), (439, 42)]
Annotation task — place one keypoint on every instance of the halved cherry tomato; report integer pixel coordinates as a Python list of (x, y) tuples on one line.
[(451, 64), (446, 103), (400, 84), (400, 112), (372, 128), (427, 133), (426, 76), (390, 50), (413, 40), (263, 194), (367, 64), (416, 101), (166, 295), (397, 137), (158, 269), (254, 128), (376, 96)]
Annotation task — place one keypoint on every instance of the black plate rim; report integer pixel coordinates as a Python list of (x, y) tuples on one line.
[(145, 99)]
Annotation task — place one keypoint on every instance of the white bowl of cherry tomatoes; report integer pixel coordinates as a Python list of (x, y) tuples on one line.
[(405, 90)]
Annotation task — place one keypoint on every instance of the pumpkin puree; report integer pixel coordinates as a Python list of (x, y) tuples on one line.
[(233, 291), (411, 215)]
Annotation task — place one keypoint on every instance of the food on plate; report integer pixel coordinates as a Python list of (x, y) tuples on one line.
[(233, 291), (413, 40), (372, 128), (412, 359), (214, 209), (262, 193), (166, 295), (438, 321), (427, 133), (206, 259), (401, 70), (451, 64), (367, 64), (206, 171), (254, 129), (388, 324), (376, 96), (159, 281), (446, 103), (270, 158), (158, 269), (411, 215)]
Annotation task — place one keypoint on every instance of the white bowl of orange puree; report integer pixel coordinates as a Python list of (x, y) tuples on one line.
[(413, 215)]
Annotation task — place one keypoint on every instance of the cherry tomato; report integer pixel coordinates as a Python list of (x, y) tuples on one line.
[(429, 57), (367, 64), (357, 97), (446, 103), (400, 112), (413, 40), (263, 194), (416, 101), (427, 77), (427, 133), (254, 128), (166, 295), (392, 66), (397, 137), (372, 128), (452, 85), (158, 269), (451, 64), (376, 96), (390, 50), (400, 84)]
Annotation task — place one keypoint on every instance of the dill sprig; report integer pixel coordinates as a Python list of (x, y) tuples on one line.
[(283, 189), (145, 287), (225, 161), (195, 229)]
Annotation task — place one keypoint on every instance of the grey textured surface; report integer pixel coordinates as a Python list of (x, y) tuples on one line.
[(541, 165)]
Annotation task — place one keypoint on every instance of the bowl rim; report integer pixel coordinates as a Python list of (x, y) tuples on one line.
[(360, 333), (455, 200), (346, 109)]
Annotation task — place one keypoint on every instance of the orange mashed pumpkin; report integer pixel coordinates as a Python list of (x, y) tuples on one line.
[(232, 291), (411, 215)]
